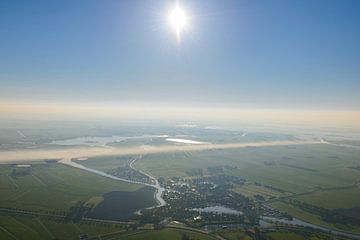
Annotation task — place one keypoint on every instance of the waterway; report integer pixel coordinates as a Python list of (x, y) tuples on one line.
[(101, 141), (217, 209), (264, 222), (158, 189)]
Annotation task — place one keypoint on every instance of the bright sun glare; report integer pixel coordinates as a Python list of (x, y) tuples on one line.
[(178, 19)]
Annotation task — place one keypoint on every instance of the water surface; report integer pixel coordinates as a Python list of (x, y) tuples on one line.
[(217, 209)]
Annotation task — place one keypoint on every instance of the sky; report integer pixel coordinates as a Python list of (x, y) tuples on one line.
[(251, 54)]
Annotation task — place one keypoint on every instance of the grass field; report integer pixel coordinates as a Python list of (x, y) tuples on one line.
[(234, 234), (298, 213), (166, 234), (106, 163), (15, 227), (53, 187), (286, 236), (311, 218), (329, 162), (23, 228), (251, 190), (342, 198)]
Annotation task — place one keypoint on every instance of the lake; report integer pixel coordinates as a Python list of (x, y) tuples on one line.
[(217, 209)]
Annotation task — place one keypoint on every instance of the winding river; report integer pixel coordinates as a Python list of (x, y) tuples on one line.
[(158, 192)]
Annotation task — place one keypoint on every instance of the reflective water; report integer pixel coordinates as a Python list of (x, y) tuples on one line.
[(180, 140), (217, 209), (158, 192), (101, 141)]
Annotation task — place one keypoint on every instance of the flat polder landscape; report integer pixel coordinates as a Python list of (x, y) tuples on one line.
[(118, 181)]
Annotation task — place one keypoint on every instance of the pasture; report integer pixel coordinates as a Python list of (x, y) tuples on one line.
[(313, 218), (105, 163), (53, 187), (330, 165), (234, 234), (287, 236), (21, 227), (338, 198), (252, 190), (166, 234)]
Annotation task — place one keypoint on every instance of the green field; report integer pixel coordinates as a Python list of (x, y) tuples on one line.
[(53, 187), (23, 228), (16, 227), (312, 218), (105, 163), (286, 236), (342, 198), (166, 234), (234, 234), (251, 190), (330, 165), (300, 214)]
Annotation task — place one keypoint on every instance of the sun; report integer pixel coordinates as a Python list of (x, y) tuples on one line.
[(178, 20)]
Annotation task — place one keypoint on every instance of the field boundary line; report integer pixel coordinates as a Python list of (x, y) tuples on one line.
[(107, 234), (122, 235), (26, 212), (76, 226), (45, 228), (190, 229), (20, 195), (9, 233), (12, 181), (106, 221), (38, 180), (329, 189), (23, 224)]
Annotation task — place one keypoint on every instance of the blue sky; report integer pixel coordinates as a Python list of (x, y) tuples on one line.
[(254, 54)]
